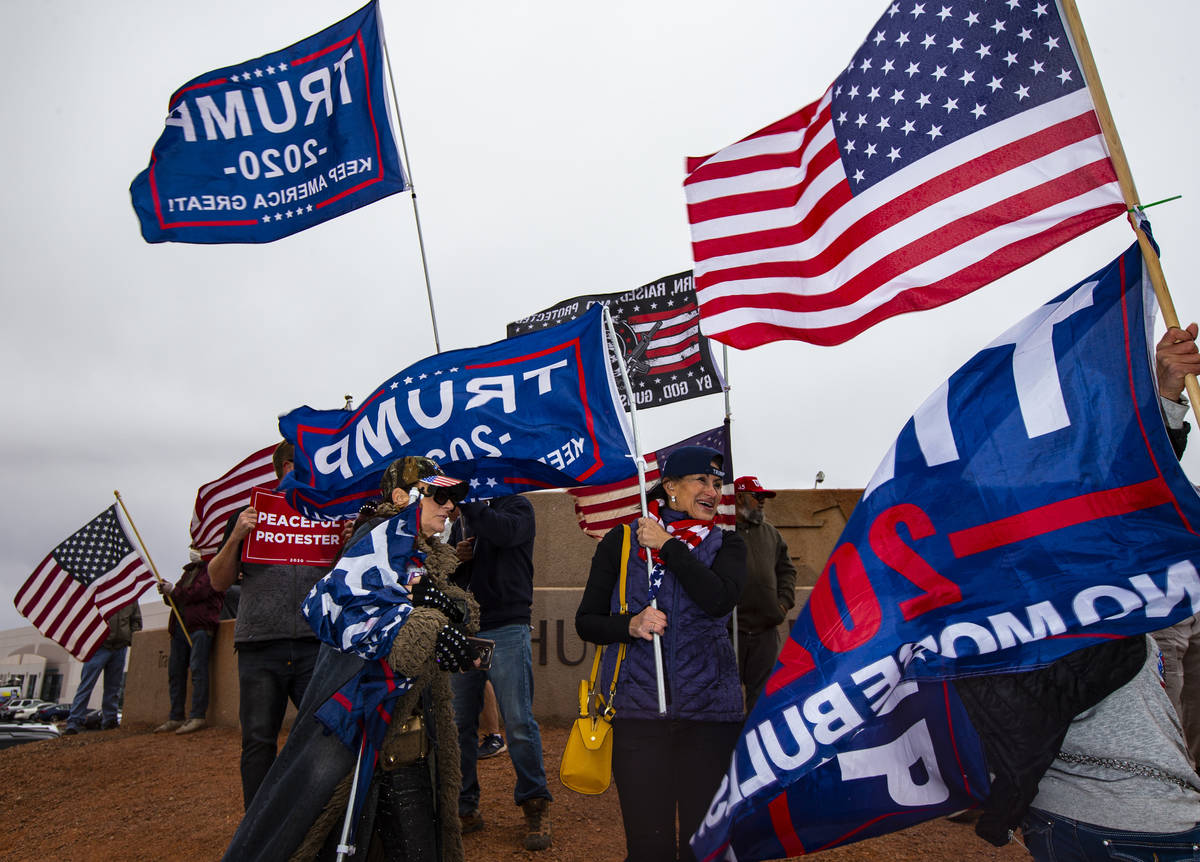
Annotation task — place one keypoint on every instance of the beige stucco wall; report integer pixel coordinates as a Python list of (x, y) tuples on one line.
[(810, 522)]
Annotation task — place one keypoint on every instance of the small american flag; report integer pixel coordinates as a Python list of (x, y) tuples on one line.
[(220, 498), (959, 144), (600, 508), (84, 581)]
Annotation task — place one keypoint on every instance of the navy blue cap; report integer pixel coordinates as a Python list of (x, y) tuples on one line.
[(693, 460)]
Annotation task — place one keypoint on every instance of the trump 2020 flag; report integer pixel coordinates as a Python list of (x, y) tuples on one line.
[(266, 148), (658, 332), (90, 576), (537, 411), (956, 146), (1032, 506)]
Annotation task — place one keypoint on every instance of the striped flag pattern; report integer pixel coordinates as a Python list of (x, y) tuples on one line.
[(217, 501), (81, 583), (674, 335), (955, 147), (602, 507)]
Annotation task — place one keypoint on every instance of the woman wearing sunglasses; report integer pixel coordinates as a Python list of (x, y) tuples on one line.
[(409, 810)]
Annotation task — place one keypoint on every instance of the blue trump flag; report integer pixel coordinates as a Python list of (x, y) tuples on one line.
[(266, 148), (537, 411), (1032, 506)]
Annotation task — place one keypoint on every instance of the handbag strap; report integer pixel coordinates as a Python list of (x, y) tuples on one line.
[(609, 712)]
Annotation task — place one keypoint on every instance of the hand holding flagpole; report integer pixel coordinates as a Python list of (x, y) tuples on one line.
[(153, 568), (611, 330)]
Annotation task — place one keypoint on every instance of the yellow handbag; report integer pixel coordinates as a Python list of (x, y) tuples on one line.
[(586, 765)]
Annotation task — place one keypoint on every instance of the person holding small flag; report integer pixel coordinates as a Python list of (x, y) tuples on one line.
[(669, 765), (379, 706)]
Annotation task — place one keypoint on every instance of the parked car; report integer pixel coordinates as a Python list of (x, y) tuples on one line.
[(26, 713), (6, 713), (53, 712), (16, 734)]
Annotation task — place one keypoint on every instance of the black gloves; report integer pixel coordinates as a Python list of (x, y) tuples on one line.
[(453, 651), (425, 594)]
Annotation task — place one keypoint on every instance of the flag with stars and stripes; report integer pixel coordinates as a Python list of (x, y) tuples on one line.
[(658, 325), (221, 498), (85, 580), (532, 412), (603, 507), (271, 146), (959, 144)]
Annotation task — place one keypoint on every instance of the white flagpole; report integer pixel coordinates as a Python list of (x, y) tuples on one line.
[(614, 346), (729, 437), (412, 189)]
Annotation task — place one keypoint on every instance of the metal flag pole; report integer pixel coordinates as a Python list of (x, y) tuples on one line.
[(1116, 154), (640, 462), (412, 189), (729, 436), (345, 849), (153, 568)]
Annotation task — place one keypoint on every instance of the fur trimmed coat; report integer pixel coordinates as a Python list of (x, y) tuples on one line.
[(302, 800)]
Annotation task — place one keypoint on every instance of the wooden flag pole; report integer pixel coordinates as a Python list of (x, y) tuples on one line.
[(1125, 180), (153, 568)]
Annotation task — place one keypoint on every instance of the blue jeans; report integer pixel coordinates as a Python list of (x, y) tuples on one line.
[(512, 678), (183, 658), (112, 663), (1053, 838), (269, 674)]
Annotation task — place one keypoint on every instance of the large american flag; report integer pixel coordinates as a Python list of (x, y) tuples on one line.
[(219, 499), (602, 507), (81, 583), (959, 144)]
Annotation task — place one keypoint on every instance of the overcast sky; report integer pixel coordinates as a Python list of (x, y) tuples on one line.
[(547, 142)]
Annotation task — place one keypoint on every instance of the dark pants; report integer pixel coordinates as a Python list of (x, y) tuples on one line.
[(663, 768), (406, 818), (757, 652), (1052, 838), (184, 658), (269, 674)]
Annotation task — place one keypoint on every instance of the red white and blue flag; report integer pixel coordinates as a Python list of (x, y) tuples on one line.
[(268, 147), (959, 144), (218, 500), (1031, 507), (658, 328), (529, 413), (90, 576)]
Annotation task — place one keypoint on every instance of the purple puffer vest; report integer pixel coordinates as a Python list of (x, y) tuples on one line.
[(699, 666)]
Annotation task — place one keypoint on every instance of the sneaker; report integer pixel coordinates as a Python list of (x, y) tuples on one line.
[(169, 725), (470, 822), (191, 726), (537, 823), (110, 725), (491, 745), (70, 731)]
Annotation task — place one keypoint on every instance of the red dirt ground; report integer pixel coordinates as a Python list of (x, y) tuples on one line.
[(113, 796)]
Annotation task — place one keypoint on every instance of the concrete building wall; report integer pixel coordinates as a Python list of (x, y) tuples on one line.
[(810, 521)]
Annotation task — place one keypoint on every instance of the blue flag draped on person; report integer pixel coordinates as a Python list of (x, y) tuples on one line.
[(537, 411), (358, 607), (1031, 507), (266, 148)]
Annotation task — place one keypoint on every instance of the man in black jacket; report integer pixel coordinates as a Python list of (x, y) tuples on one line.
[(494, 540)]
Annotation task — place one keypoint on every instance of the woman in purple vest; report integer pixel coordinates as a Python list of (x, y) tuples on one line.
[(670, 763)]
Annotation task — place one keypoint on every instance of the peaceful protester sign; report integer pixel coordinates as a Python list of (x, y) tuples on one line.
[(282, 536), (268, 147), (1031, 507), (524, 414)]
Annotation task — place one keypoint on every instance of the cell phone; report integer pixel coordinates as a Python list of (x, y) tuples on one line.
[(485, 647)]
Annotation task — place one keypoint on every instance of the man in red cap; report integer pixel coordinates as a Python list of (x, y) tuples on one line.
[(770, 590)]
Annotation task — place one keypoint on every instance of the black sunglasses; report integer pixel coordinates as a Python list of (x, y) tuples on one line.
[(455, 493)]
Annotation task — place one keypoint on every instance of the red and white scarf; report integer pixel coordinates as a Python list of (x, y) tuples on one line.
[(691, 531)]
